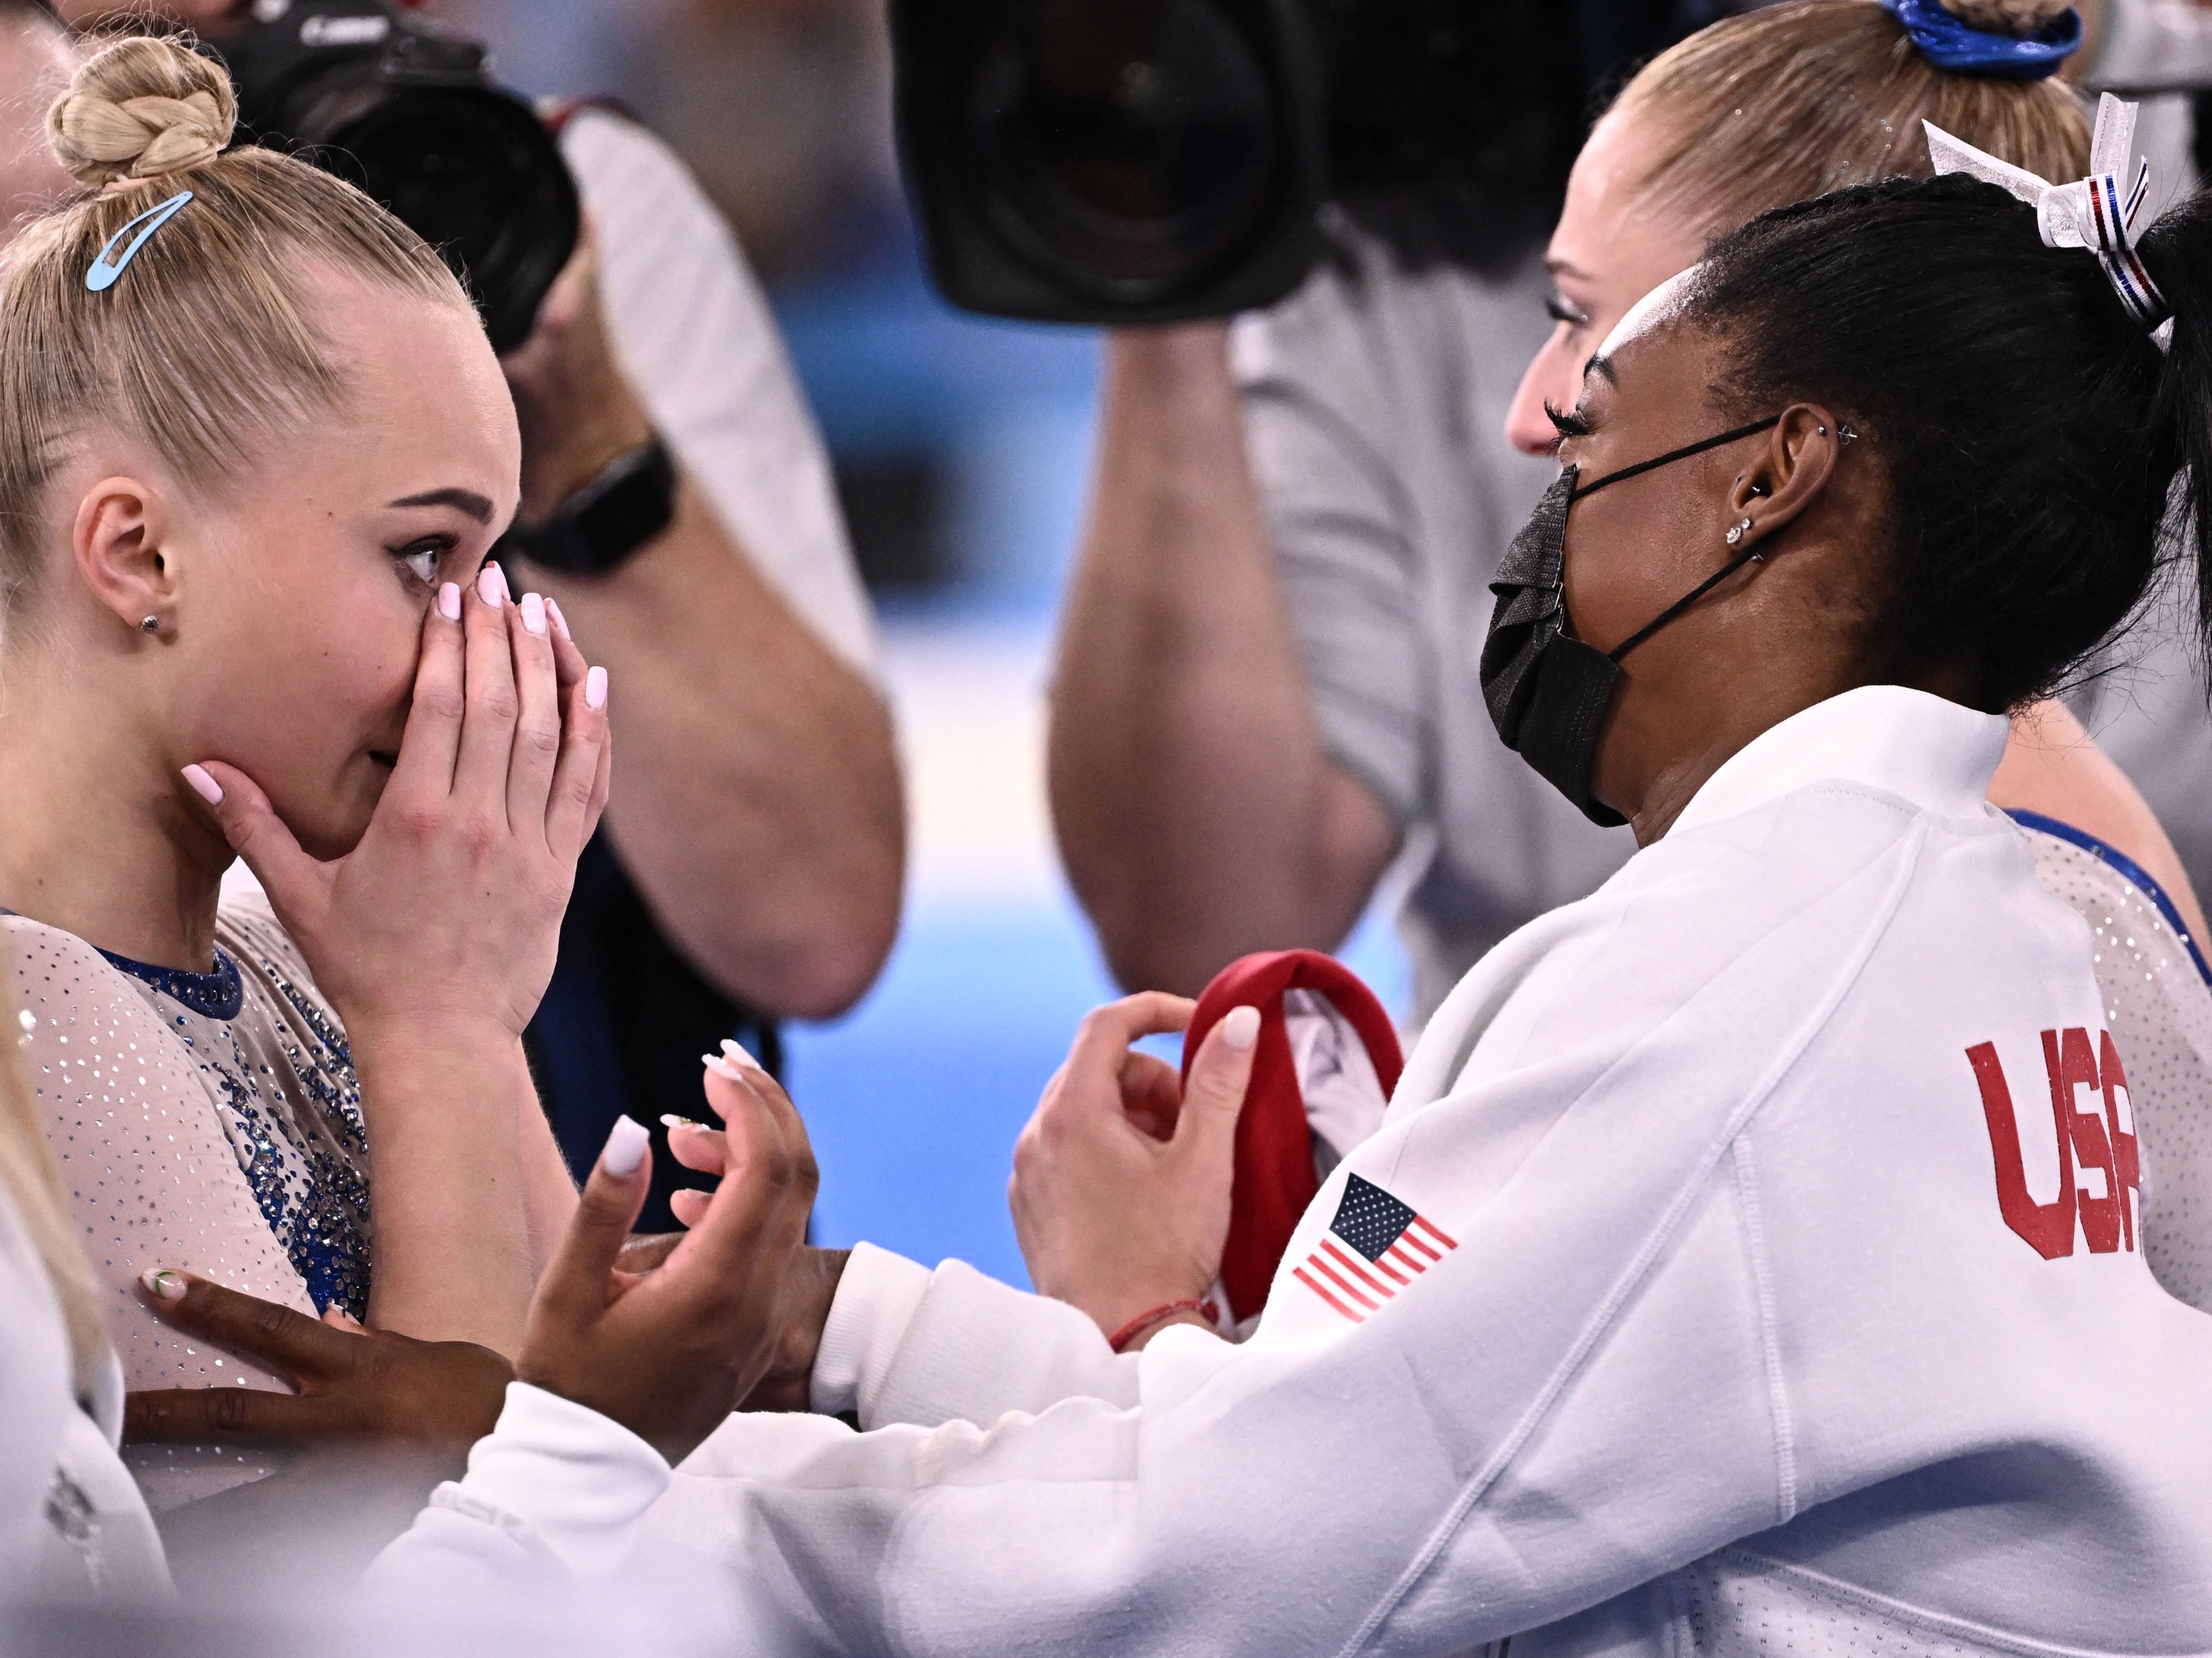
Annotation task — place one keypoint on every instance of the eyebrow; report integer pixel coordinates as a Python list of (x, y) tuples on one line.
[(1559, 267), (467, 501), (1601, 367)]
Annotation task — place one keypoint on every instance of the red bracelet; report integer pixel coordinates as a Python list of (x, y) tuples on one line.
[(1120, 1340)]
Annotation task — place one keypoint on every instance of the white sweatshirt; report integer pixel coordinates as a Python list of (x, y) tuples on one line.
[(1766, 1294)]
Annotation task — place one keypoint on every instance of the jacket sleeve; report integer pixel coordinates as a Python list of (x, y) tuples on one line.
[(904, 1344), (551, 1503), (1477, 1456)]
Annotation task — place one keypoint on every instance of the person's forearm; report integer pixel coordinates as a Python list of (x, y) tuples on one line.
[(549, 1193), (451, 1257), (1199, 814), (757, 804)]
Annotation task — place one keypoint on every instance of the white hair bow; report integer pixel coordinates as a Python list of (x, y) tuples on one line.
[(2090, 213)]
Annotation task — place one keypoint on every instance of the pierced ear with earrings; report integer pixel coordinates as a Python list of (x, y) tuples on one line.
[(1742, 528), (152, 624)]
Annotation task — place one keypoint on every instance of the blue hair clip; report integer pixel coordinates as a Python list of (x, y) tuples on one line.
[(101, 275), (1957, 49)]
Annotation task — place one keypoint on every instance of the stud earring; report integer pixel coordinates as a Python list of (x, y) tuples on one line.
[(1844, 434), (152, 624), (1735, 532)]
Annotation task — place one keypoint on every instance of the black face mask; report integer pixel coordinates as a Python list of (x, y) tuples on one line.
[(1548, 691)]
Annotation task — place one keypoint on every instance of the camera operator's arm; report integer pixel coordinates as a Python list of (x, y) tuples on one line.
[(1198, 811), (757, 806)]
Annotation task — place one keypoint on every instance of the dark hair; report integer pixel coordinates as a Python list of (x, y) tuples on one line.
[(2028, 431)]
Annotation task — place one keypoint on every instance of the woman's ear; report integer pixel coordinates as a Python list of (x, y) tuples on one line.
[(1790, 473), (119, 542)]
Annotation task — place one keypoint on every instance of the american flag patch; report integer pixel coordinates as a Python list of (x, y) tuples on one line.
[(1374, 1248)]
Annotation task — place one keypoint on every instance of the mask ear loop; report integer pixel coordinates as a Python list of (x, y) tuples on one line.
[(1710, 581), (1684, 603), (1672, 455)]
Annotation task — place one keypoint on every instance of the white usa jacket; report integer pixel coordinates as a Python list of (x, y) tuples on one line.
[(1749, 1262)]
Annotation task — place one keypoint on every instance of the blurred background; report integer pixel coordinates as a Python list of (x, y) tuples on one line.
[(960, 448)]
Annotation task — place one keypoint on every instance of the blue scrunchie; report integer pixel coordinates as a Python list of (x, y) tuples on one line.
[(1948, 44)]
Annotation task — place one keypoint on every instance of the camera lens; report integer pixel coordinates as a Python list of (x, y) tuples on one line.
[(1129, 147), (475, 175)]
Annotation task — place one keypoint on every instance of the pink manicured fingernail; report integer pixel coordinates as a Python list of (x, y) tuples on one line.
[(1240, 1028), (560, 621), (449, 601), (595, 689), (203, 786), (534, 614), (721, 1067), (625, 1148), (163, 1283), (669, 1119), (737, 1056), (491, 585)]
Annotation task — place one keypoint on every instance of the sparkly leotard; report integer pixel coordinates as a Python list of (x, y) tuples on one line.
[(2159, 1011), (210, 1121)]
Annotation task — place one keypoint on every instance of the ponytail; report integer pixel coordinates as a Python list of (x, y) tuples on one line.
[(2028, 428), (2178, 253)]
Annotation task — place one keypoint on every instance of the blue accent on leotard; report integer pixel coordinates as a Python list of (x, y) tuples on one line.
[(2136, 873)]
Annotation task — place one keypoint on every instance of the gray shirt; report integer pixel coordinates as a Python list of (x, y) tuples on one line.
[(1375, 402)]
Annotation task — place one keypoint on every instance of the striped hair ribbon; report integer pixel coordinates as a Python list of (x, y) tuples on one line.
[(2095, 213)]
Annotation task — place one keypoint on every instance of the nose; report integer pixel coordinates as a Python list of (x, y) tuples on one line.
[(1527, 428)]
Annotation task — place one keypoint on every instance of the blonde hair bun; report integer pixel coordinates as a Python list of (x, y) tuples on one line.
[(141, 108), (2019, 18)]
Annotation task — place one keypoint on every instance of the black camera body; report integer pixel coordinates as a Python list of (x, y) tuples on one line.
[(412, 115), (1132, 162)]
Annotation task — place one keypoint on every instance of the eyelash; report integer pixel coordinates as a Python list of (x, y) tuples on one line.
[(434, 547), (1559, 311), (1568, 423)]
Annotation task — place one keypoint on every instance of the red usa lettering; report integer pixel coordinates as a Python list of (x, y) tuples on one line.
[(2097, 1166)]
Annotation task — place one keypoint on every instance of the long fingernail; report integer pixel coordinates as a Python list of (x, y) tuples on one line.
[(625, 1148), (721, 1067), (449, 600), (204, 784), (671, 1119), (163, 1283), (737, 1055), (491, 585), (595, 689), (1240, 1028), (560, 621), (534, 614)]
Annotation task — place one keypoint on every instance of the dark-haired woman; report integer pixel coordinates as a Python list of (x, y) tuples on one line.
[(1751, 1258)]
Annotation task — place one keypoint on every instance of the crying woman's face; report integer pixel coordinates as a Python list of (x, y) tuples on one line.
[(302, 596)]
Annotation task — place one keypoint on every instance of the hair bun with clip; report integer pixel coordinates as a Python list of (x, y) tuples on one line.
[(2000, 39), (141, 108)]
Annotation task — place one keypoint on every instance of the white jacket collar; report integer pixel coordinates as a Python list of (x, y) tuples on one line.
[(1937, 753)]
